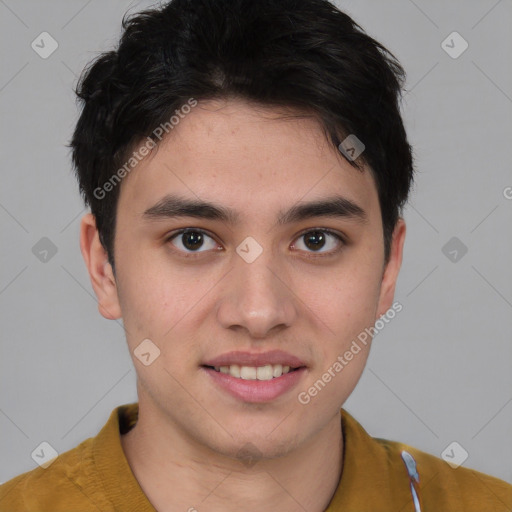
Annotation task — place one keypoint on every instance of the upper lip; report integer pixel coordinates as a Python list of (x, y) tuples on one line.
[(255, 359)]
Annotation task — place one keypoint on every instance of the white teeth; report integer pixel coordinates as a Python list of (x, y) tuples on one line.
[(234, 370), (267, 372), (248, 373), (277, 370)]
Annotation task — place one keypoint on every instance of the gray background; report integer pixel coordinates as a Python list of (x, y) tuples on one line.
[(439, 372)]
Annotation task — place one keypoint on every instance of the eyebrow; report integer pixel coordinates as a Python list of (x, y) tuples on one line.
[(172, 206)]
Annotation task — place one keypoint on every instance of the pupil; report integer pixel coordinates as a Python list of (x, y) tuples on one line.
[(192, 240), (315, 240)]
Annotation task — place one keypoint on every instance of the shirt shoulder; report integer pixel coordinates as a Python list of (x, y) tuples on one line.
[(66, 484), (443, 487), (93, 476), (439, 486), (384, 475)]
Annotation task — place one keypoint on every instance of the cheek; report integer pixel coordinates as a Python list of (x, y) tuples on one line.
[(343, 301), (159, 299), (146, 297)]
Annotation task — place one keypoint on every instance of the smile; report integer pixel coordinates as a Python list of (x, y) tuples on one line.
[(266, 372), (253, 384)]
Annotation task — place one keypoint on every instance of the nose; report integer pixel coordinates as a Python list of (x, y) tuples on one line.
[(256, 298)]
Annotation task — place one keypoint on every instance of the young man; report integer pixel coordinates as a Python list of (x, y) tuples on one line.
[(246, 166)]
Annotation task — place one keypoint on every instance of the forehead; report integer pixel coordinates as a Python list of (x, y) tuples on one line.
[(253, 159)]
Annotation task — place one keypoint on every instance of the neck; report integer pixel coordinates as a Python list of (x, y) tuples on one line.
[(178, 473)]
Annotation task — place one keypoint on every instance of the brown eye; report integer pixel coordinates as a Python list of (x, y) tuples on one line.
[(318, 239), (192, 240), (314, 240)]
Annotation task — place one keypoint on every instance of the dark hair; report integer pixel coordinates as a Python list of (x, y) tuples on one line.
[(301, 54)]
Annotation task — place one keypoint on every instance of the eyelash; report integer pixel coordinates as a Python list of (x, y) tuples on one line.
[(312, 254)]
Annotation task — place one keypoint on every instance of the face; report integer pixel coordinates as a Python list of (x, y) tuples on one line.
[(244, 245)]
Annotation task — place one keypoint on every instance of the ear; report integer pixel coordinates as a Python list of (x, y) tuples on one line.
[(100, 270), (390, 275)]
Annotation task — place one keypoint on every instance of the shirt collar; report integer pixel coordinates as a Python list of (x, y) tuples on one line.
[(373, 477), (119, 483)]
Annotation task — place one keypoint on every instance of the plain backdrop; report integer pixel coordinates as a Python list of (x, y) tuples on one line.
[(438, 373)]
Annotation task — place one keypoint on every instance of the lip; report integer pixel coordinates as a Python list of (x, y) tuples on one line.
[(256, 359), (255, 391)]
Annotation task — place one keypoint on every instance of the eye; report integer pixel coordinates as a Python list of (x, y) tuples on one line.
[(322, 241), (192, 240), (315, 241)]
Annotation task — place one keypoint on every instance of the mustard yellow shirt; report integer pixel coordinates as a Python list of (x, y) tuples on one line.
[(95, 476)]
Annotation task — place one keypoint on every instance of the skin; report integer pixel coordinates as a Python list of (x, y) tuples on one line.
[(190, 433)]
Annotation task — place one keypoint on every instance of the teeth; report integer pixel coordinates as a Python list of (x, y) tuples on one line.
[(248, 373), (234, 370), (277, 370), (267, 372)]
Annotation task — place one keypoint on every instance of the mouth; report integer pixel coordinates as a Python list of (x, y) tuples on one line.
[(255, 377), (266, 372)]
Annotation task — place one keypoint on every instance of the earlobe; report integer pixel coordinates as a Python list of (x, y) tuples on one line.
[(390, 276), (100, 271)]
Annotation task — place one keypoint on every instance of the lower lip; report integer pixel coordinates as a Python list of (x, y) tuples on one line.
[(256, 390)]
